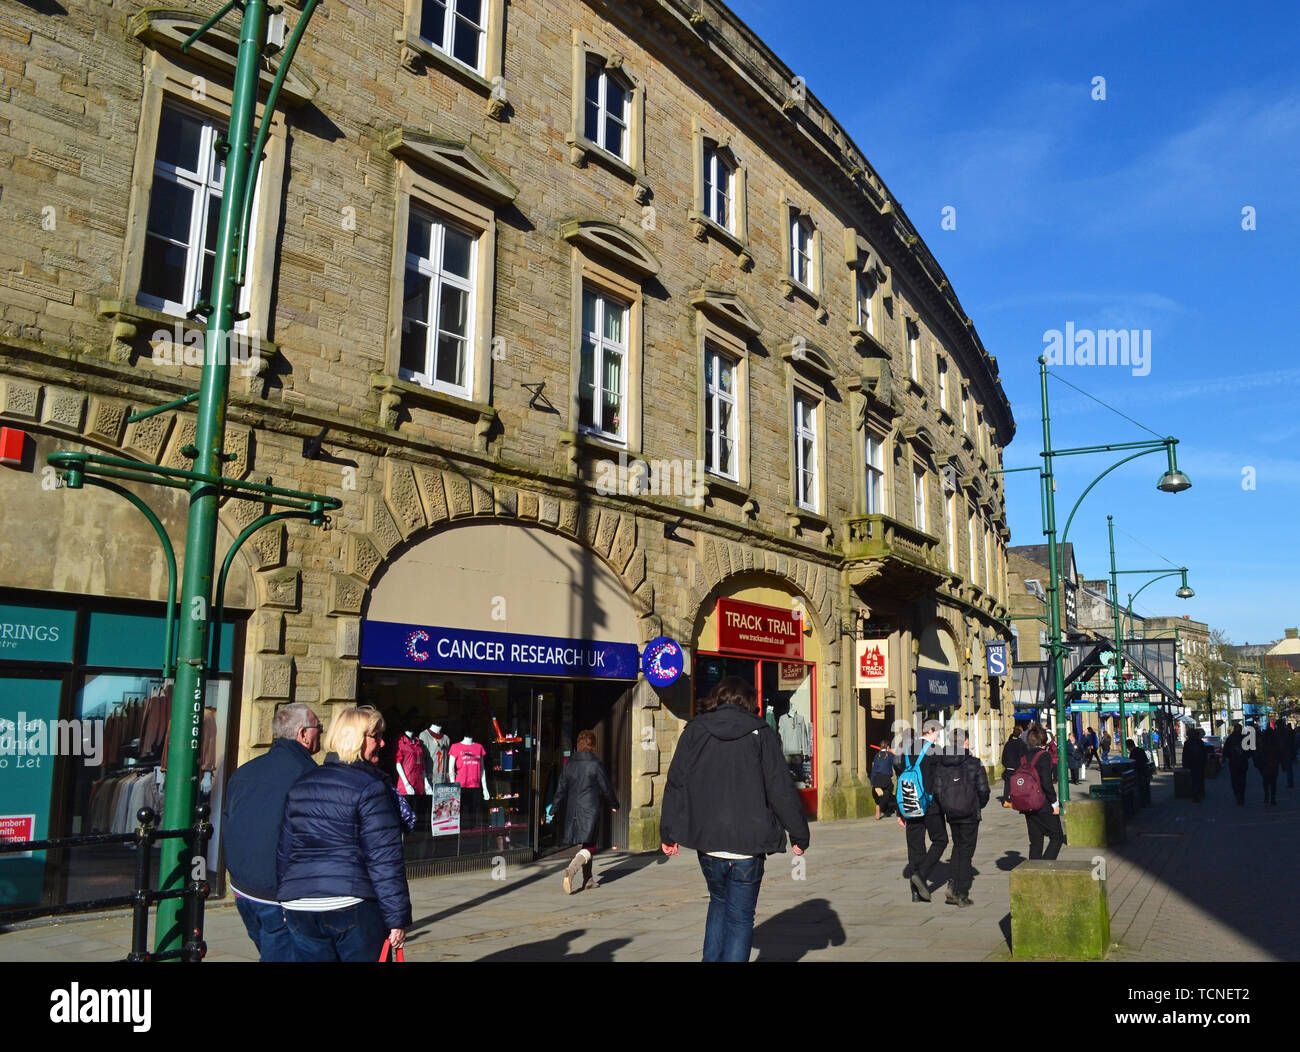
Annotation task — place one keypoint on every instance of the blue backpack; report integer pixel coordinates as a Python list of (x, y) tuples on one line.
[(913, 800)]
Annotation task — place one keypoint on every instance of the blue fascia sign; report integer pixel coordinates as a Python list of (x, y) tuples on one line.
[(937, 689), (996, 655), (387, 644)]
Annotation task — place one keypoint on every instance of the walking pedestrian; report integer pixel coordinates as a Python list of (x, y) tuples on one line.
[(1033, 794), (1012, 753), (1104, 746), (1156, 749), (342, 878), (1089, 747), (250, 825), (920, 814), (882, 780), (962, 790), (1238, 761), (1286, 751), (584, 787), (729, 795), (1194, 755), (1074, 757), (1268, 756)]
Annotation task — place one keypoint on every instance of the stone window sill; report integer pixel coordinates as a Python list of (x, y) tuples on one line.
[(395, 394), (801, 519), (416, 52), (584, 151), (866, 344), (704, 228), (130, 319), (715, 487), (791, 288)]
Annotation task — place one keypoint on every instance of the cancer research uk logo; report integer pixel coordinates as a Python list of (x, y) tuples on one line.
[(662, 661), (412, 646), (1124, 347)]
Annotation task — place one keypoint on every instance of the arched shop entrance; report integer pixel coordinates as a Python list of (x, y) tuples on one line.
[(508, 640), (760, 632), (938, 681)]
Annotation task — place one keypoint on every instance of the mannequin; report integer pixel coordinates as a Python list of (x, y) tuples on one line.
[(410, 765), (435, 745), (467, 768)]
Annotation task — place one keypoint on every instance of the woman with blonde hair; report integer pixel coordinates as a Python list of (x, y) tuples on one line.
[(342, 878)]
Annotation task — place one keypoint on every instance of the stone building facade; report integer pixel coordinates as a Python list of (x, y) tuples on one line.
[(687, 349)]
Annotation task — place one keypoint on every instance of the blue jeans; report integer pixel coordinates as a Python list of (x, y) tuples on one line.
[(356, 933), (266, 927), (733, 897)]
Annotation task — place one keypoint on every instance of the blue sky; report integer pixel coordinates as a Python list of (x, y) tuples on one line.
[(1125, 213)]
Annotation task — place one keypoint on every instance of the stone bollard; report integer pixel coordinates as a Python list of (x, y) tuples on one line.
[(1094, 823), (1059, 910), (1182, 784)]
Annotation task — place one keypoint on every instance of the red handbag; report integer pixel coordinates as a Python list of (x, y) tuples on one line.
[(398, 956)]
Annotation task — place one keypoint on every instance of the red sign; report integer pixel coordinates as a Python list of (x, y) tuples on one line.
[(767, 631), (17, 829)]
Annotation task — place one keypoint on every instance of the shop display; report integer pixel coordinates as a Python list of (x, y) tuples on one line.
[(435, 745), (446, 809), (467, 765), (410, 765)]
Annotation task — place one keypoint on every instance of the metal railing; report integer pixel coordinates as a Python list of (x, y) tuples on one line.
[(144, 896)]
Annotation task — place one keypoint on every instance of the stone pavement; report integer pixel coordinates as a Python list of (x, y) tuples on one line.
[(1193, 882)]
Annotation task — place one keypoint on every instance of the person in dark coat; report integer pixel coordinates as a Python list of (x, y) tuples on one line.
[(1238, 761), (584, 788), (250, 825), (1074, 758), (1286, 751), (730, 796), (1012, 753), (1268, 758), (1045, 823), (1194, 756), (919, 860), (882, 780), (962, 789), (342, 877)]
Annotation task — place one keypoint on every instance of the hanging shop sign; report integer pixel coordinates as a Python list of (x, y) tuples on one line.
[(388, 644), (873, 663), (995, 655), (752, 628), (662, 661), (937, 689)]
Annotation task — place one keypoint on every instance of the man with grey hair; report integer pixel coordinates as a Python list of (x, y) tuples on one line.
[(250, 825)]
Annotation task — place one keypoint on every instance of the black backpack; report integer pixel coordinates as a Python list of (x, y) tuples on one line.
[(955, 789)]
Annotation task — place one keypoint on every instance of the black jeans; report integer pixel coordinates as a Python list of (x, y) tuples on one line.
[(964, 834), (1238, 772), (1198, 783), (921, 860), (1044, 824), (1270, 786)]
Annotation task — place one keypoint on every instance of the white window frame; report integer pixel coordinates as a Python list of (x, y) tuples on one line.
[(719, 172), (603, 75), (713, 356), (874, 496), (941, 368), (988, 563), (918, 497), (950, 523), (806, 429), (450, 17), (866, 311), (801, 224), (913, 350), (965, 419), (208, 194), (431, 268), (602, 344), (971, 550)]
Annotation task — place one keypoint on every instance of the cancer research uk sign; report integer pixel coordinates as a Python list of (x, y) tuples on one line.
[(386, 644)]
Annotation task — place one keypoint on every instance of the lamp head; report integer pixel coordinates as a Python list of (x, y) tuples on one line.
[(1173, 480), (1184, 592)]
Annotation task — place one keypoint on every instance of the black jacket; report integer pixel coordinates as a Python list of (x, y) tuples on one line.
[(1043, 763), (1194, 754), (584, 786), (250, 824), (903, 760), (1234, 751), (341, 835), (974, 770), (729, 788), (1013, 752)]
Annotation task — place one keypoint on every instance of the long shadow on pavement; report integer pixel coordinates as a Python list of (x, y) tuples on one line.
[(557, 948), (795, 932)]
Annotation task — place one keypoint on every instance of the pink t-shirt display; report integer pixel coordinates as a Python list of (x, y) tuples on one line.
[(469, 763)]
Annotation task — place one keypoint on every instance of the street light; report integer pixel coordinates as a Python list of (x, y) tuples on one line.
[(1172, 481), (1184, 592)]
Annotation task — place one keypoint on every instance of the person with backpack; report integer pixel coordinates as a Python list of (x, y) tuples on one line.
[(882, 779), (962, 790), (1012, 753), (918, 812), (1033, 794)]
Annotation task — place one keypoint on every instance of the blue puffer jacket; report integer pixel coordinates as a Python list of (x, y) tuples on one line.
[(341, 836), (250, 828)]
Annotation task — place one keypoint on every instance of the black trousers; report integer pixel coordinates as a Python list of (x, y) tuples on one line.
[(1044, 824), (921, 860), (1238, 772), (1270, 786), (1198, 783), (964, 835)]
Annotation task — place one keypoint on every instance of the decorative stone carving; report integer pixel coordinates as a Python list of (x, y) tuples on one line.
[(267, 631), (280, 589), (63, 409), (363, 558), (624, 543), (184, 434), (506, 501), (20, 399), (107, 419), (272, 677), (528, 505), (347, 641), (381, 527), (145, 438), (460, 498), (403, 498), (550, 511), (481, 497), (346, 595), (410, 59), (121, 349), (338, 680), (569, 518)]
